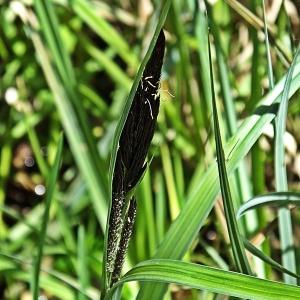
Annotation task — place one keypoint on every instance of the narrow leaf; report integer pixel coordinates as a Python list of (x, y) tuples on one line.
[(269, 60), (209, 279), (285, 224), (255, 251), (239, 253), (278, 199), (50, 192)]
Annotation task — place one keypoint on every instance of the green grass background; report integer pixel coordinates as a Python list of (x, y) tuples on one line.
[(69, 66)]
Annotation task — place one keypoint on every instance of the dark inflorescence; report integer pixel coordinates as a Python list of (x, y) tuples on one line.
[(126, 234), (130, 163), (115, 228), (140, 124)]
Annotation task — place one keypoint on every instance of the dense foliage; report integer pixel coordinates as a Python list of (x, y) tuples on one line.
[(70, 67)]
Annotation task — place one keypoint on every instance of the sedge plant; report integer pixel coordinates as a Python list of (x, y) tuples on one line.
[(69, 66)]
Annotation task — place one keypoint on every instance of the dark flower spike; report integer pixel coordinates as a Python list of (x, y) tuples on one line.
[(124, 242), (130, 163), (115, 229), (140, 124)]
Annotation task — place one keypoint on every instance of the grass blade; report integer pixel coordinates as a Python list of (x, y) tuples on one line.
[(82, 263), (241, 179), (160, 207), (210, 279), (237, 245), (258, 253), (50, 192), (88, 13), (201, 35), (112, 69), (269, 59), (285, 224), (274, 199), (49, 25), (146, 195), (6, 156), (170, 181)]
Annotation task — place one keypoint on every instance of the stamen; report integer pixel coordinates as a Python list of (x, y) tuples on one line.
[(151, 84), (147, 101), (155, 95), (169, 93)]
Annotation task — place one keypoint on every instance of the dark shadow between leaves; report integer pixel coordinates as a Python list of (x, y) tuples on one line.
[(267, 109)]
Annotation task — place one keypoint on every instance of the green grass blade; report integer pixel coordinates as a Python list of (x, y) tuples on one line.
[(88, 13), (179, 176), (214, 254), (50, 192), (49, 25), (112, 69), (64, 219), (20, 129), (269, 59), (223, 73), (160, 207), (241, 179), (94, 98), (237, 245), (275, 199), (257, 164), (201, 35), (285, 223), (201, 199), (82, 263), (22, 229), (6, 157), (174, 205), (210, 279), (146, 195), (35, 145), (255, 251)]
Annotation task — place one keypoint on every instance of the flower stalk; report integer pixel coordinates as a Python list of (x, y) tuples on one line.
[(130, 165)]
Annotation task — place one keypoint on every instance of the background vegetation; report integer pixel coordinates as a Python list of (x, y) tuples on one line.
[(68, 66)]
